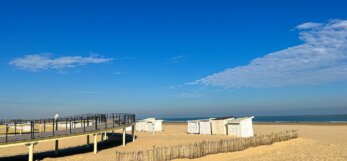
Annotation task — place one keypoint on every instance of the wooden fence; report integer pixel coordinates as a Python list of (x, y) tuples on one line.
[(204, 148)]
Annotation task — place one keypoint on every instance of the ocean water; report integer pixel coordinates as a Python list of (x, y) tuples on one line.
[(297, 118)]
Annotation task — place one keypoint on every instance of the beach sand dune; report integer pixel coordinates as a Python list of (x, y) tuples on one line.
[(315, 142)]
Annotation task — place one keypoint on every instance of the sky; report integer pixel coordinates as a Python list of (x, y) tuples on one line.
[(173, 58)]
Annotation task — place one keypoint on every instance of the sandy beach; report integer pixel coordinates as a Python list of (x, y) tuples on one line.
[(315, 142)]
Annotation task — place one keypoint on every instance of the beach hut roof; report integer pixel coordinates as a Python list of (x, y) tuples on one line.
[(224, 118), (239, 120), (194, 120), (148, 120)]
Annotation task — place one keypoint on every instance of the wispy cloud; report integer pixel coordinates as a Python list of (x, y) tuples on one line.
[(322, 58), (173, 86), (46, 61), (175, 59), (308, 25), (189, 95), (116, 73)]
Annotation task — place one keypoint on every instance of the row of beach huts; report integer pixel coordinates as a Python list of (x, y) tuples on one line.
[(239, 127)]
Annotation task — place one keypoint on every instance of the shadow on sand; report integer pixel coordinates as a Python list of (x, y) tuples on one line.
[(112, 141)]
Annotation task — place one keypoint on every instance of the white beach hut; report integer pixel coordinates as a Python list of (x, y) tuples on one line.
[(141, 125), (149, 119), (219, 125), (241, 127), (149, 124), (158, 125), (205, 127), (193, 127)]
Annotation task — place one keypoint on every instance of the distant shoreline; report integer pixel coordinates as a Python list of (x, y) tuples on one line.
[(277, 123)]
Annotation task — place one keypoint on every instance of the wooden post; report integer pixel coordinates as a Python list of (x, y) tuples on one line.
[(96, 123), (133, 132), (44, 125), (56, 147), (84, 125), (6, 131), (105, 123), (32, 129), (113, 119), (70, 126), (87, 141), (152, 128), (95, 143), (124, 130), (56, 125), (31, 151), (66, 123), (105, 135), (53, 128), (124, 119), (119, 122), (15, 127)]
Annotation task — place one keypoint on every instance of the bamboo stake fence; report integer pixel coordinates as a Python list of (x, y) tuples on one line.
[(197, 150)]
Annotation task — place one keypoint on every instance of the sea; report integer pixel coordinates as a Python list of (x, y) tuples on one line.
[(278, 119)]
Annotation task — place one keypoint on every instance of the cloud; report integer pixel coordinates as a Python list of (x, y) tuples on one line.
[(322, 58), (175, 59), (45, 61), (116, 73), (308, 25), (189, 95)]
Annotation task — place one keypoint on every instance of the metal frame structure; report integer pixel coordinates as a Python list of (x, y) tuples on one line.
[(62, 128)]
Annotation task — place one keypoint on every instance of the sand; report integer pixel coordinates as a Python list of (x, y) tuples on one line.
[(315, 142)]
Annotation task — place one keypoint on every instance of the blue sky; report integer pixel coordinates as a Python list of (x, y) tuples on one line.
[(173, 58)]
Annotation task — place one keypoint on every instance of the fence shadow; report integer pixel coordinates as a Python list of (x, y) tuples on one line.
[(112, 141)]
